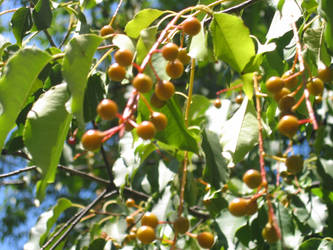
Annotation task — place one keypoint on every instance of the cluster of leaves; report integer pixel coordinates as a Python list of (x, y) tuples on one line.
[(49, 95)]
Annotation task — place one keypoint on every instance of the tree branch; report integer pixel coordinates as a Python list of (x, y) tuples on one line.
[(18, 172)]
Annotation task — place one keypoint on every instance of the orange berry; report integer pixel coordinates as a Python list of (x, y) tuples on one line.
[(164, 90), (124, 57), (315, 86), (155, 102), (238, 207), (270, 234), (191, 26), (149, 219), (205, 239), (217, 103), (252, 178), (288, 125), (174, 69), (146, 130), (159, 120), (116, 72), (107, 109), (142, 83), (170, 51), (146, 234), (130, 202), (292, 82), (294, 164), (183, 56), (325, 74), (106, 30), (274, 84), (181, 225), (92, 139)]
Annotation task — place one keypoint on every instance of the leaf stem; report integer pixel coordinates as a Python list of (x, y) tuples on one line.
[(115, 13)]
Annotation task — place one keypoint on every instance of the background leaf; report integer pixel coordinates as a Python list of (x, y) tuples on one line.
[(21, 23), (42, 14)]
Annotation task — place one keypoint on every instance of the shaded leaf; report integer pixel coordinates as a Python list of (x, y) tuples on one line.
[(42, 14), (16, 84), (21, 23), (47, 123)]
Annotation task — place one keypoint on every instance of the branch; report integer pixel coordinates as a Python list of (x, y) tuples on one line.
[(18, 172), (12, 182), (239, 7), (49, 37), (108, 169)]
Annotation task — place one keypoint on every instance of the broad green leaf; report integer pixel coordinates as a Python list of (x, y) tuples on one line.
[(145, 42), (97, 244), (215, 171), (310, 244), (325, 171), (123, 42), (175, 134), (244, 136), (47, 123), (16, 83), (248, 85), (21, 23), (199, 106), (198, 47), (141, 21), (76, 65), (46, 221), (42, 14), (231, 41)]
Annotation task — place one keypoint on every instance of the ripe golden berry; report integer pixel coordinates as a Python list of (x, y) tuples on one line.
[(315, 86), (292, 82), (238, 207), (107, 109), (92, 139), (130, 220), (116, 72), (318, 99), (286, 103), (205, 239), (146, 130), (252, 178), (283, 92), (149, 219), (181, 225), (183, 56), (288, 125), (217, 103), (146, 234), (106, 30), (124, 57), (170, 51), (252, 207), (174, 69), (155, 102), (239, 99), (164, 90), (325, 74), (191, 26), (274, 84), (270, 234), (130, 202), (294, 164), (142, 83), (159, 120)]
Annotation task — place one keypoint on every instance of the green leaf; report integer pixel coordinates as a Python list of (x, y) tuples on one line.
[(310, 244), (97, 244), (198, 48), (46, 221), (16, 83), (47, 123), (141, 21), (215, 171), (76, 65), (175, 134), (231, 40), (145, 42), (244, 136), (248, 85), (198, 108), (42, 14), (123, 42), (21, 23), (325, 171)]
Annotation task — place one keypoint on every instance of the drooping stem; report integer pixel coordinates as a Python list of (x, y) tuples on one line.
[(115, 13)]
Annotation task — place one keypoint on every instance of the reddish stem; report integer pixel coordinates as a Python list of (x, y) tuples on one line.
[(228, 89), (138, 68), (304, 121)]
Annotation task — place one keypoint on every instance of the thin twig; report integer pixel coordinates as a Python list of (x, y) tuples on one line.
[(8, 11), (18, 172), (115, 13), (49, 37), (12, 182)]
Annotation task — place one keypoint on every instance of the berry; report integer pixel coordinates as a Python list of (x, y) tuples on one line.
[(174, 69), (252, 207), (286, 103), (164, 90), (205, 239), (170, 51), (183, 56), (252, 178), (142, 83), (315, 86), (288, 125), (130, 202), (181, 225), (238, 207), (274, 84), (159, 120), (270, 234), (146, 234), (130, 220), (325, 74), (107, 109), (92, 139), (191, 26), (146, 130), (294, 164), (155, 102), (283, 92), (106, 30), (217, 103), (239, 99), (318, 99), (290, 83), (116, 72), (149, 219), (124, 57)]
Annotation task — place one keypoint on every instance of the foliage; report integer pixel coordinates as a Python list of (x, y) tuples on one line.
[(57, 70)]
